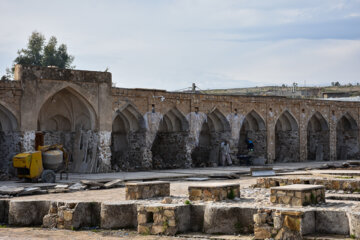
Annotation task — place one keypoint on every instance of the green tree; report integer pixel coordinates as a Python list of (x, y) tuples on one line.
[(40, 53)]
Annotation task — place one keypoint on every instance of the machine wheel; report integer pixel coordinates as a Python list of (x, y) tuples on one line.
[(48, 176)]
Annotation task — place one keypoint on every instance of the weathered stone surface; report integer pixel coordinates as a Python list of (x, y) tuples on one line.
[(214, 192), (297, 194), (332, 222), (354, 222), (4, 211), (119, 215), (90, 183), (5, 190), (27, 213), (165, 219), (228, 220), (351, 185), (144, 190), (113, 183)]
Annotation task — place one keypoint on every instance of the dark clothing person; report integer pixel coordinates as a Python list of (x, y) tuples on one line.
[(250, 145)]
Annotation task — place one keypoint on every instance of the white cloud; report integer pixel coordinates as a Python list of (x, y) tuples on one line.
[(217, 44)]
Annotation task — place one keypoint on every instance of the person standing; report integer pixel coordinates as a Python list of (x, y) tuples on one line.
[(225, 153)]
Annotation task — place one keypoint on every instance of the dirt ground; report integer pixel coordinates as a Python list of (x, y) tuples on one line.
[(177, 188), (57, 234)]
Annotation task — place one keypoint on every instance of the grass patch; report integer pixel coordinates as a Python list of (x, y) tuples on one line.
[(187, 202), (345, 177), (231, 194)]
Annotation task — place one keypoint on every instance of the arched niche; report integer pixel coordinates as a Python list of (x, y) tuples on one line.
[(286, 138), (68, 118), (254, 129), (347, 143), (67, 111), (318, 138), (127, 138), (169, 147), (214, 130), (9, 138)]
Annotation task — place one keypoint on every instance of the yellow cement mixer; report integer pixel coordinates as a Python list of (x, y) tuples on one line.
[(41, 164)]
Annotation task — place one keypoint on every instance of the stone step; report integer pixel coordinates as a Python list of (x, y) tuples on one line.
[(325, 237)]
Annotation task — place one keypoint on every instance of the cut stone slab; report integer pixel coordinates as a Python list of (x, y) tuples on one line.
[(144, 190), (5, 190), (60, 186), (297, 194), (114, 183), (30, 191), (118, 215), (90, 183), (214, 192), (77, 187), (262, 171), (58, 190), (27, 213), (197, 179)]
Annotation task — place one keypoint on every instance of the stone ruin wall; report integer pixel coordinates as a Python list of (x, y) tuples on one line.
[(106, 128)]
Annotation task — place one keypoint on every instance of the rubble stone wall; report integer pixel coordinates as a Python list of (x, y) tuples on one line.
[(351, 185)]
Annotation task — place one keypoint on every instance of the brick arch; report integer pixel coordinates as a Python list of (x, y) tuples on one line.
[(347, 138), (70, 105), (8, 121), (253, 128), (174, 121), (318, 138), (75, 89), (131, 116), (217, 121), (287, 140)]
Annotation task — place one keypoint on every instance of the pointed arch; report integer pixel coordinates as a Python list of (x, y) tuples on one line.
[(67, 104), (169, 147), (318, 138), (287, 141), (347, 142), (317, 123), (217, 121), (254, 129), (8, 121), (287, 122), (214, 130), (174, 121), (128, 126), (254, 121), (130, 117)]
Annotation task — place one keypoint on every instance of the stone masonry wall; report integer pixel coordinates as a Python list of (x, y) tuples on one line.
[(351, 185), (22, 100), (169, 150)]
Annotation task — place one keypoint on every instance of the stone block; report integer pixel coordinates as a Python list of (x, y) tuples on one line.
[(228, 220), (4, 211), (165, 219), (119, 215), (145, 190), (214, 192), (27, 213), (332, 222), (197, 217), (354, 222), (297, 194)]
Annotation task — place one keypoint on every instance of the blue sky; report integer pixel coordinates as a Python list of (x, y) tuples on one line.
[(216, 44)]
